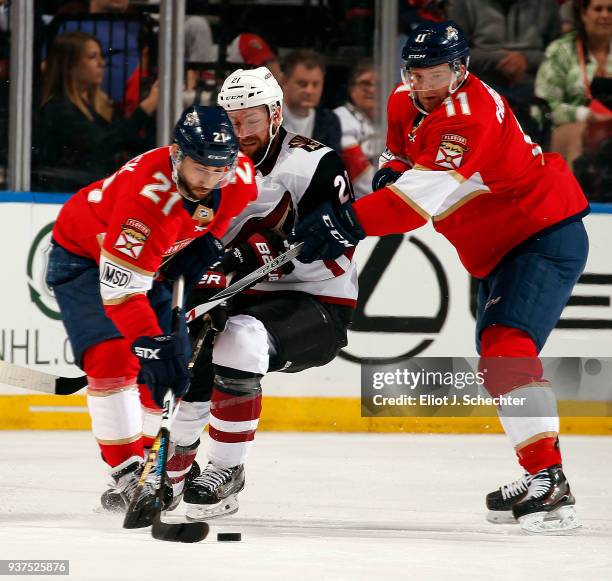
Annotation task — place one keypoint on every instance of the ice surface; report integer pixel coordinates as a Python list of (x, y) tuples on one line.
[(316, 506)]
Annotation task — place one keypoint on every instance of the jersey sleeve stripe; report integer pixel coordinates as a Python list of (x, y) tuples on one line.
[(409, 201), (470, 188), (125, 263), (437, 193), (120, 300)]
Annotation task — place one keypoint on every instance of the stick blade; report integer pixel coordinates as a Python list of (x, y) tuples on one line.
[(70, 385), (179, 532)]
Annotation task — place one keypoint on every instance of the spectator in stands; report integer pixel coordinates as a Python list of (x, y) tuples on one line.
[(575, 77), (507, 40), (77, 137), (359, 148), (246, 48), (303, 77), (119, 38)]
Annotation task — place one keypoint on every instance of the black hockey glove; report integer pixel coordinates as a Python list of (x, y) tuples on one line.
[(327, 232), (211, 283), (163, 364), (383, 177), (193, 261), (258, 250)]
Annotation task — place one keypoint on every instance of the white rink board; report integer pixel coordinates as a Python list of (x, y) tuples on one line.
[(410, 291)]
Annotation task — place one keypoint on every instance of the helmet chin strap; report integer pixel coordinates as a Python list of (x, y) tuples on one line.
[(271, 135)]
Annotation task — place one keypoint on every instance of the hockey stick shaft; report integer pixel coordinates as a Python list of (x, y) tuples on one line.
[(243, 283), (27, 378)]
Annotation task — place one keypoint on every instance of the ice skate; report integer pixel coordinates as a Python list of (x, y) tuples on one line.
[(548, 506), (214, 492), (121, 490), (501, 501)]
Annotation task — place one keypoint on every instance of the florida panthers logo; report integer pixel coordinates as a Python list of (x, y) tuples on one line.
[(451, 151)]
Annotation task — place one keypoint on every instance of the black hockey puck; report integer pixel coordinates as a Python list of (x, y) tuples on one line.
[(229, 536)]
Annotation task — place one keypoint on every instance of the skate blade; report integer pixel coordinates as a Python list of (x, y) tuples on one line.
[(505, 517), (562, 521), (203, 512)]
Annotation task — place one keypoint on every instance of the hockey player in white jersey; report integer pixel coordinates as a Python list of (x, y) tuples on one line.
[(295, 319)]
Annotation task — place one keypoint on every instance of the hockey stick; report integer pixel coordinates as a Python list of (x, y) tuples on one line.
[(138, 516), (27, 378), (240, 285)]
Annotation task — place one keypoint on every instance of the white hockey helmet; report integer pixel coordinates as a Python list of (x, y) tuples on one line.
[(250, 88), (244, 89)]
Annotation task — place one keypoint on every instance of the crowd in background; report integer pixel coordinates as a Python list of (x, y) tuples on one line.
[(96, 65)]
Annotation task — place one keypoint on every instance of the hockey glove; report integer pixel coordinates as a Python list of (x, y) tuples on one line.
[(193, 261), (163, 364), (383, 177), (327, 232), (259, 249), (211, 283)]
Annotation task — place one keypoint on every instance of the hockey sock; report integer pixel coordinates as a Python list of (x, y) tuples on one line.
[(234, 417), (113, 400), (541, 454), (179, 464), (151, 416), (116, 421)]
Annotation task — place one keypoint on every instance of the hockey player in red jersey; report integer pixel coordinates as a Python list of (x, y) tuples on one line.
[(169, 205), (456, 155)]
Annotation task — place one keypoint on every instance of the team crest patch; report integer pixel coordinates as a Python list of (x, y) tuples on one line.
[(191, 119), (132, 238), (305, 143), (451, 151)]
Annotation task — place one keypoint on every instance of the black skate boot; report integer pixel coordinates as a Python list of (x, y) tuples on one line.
[(501, 501), (214, 492), (121, 490), (549, 499)]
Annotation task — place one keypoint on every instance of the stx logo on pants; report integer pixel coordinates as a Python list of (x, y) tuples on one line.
[(146, 353)]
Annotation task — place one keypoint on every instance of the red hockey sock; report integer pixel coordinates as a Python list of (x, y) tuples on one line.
[(233, 423), (540, 455)]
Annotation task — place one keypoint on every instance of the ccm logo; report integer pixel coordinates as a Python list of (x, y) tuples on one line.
[(330, 224), (146, 353), (114, 276)]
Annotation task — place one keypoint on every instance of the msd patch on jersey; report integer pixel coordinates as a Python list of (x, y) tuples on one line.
[(115, 276), (451, 151), (132, 238)]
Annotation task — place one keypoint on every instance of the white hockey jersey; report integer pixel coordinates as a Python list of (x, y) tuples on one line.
[(359, 147), (298, 175)]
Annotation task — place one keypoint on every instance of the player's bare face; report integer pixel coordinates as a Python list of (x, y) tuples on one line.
[(252, 128), (91, 66), (200, 179), (431, 85)]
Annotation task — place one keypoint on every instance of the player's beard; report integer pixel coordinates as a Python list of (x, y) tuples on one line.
[(186, 191)]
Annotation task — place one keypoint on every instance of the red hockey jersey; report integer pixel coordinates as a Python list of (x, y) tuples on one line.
[(132, 220), (469, 168)]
